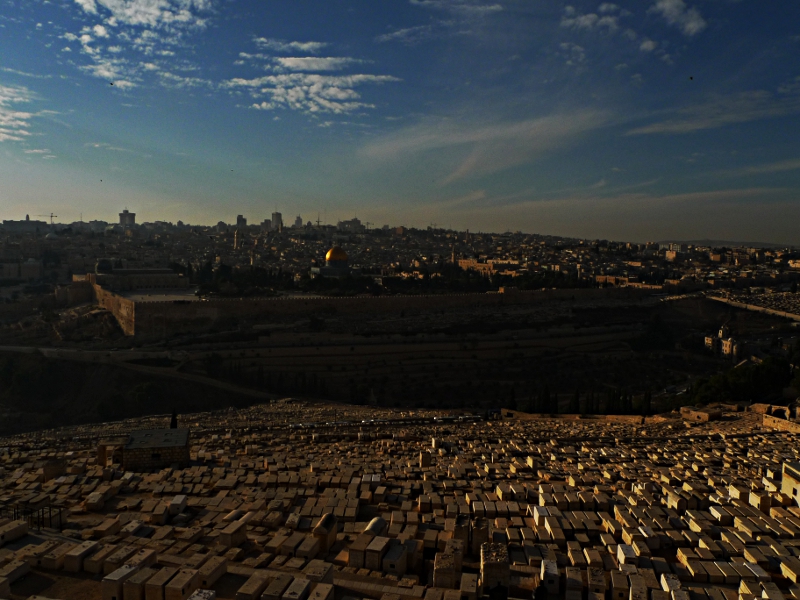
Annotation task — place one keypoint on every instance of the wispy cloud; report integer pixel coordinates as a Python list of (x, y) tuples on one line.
[(792, 164), (573, 20), (283, 46), (181, 82), (14, 124), (309, 92), (470, 7), (117, 149), (153, 28), (315, 63), (722, 111), (461, 16), (106, 146), (149, 13), (408, 35), (487, 148), (24, 73), (89, 6), (115, 69), (303, 83), (648, 45), (573, 53), (677, 13)]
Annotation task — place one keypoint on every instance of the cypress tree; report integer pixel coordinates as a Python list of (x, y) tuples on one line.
[(646, 403), (575, 403)]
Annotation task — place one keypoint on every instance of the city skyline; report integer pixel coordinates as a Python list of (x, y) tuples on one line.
[(633, 121), (352, 225)]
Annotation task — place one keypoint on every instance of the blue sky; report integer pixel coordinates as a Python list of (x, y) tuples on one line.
[(639, 120)]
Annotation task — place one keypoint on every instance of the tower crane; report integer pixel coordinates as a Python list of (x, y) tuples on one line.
[(51, 215)]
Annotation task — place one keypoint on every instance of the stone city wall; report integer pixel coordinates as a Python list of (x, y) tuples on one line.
[(122, 308), (164, 318), (756, 308)]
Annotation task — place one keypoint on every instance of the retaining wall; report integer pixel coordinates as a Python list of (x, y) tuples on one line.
[(165, 318), (756, 308)]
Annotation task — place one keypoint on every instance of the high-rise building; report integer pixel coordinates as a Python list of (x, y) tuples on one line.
[(298, 222), (354, 225), (127, 219), (241, 221), (277, 221)]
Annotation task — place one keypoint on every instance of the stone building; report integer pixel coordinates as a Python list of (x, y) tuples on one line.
[(700, 415), (325, 531), (790, 482), (495, 567), (152, 449)]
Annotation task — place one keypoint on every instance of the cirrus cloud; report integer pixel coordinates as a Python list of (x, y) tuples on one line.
[(483, 149), (724, 110), (470, 7), (14, 124)]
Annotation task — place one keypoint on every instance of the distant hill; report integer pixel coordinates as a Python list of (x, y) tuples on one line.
[(727, 243)]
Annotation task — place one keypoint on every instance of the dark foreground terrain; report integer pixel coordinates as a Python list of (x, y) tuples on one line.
[(37, 392), (608, 355)]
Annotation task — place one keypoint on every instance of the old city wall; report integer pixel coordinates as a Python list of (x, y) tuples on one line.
[(754, 308), (122, 308), (159, 319)]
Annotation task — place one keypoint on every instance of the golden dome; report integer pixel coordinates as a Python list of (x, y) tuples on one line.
[(336, 254)]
